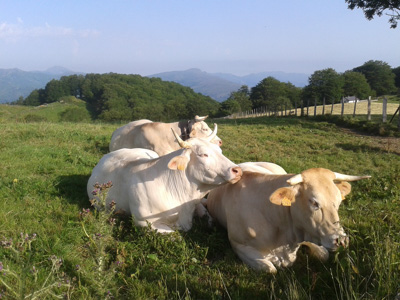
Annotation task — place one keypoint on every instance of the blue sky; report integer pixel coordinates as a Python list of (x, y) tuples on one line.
[(231, 36)]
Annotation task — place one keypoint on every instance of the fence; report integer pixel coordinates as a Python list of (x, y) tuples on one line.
[(358, 107)]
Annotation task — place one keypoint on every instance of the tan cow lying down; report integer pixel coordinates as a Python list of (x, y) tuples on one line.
[(157, 136), (268, 217), (165, 190)]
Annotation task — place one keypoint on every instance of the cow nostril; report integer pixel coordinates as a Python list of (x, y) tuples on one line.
[(237, 171), (220, 143)]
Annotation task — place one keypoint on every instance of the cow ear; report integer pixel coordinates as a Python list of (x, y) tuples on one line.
[(344, 188), (178, 163), (282, 196), (193, 133)]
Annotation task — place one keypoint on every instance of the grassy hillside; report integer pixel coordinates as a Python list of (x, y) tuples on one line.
[(54, 244), (67, 109)]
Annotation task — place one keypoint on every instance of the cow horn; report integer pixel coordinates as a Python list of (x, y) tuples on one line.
[(199, 119), (343, 177), (295, 179), (181, 142), (213, 134)]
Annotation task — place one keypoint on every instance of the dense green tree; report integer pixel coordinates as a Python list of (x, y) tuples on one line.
[(322, 84), (396, 72), (229, 107), (355, 84), (266, 93), (118, 97), (379, 76), (242, 97), (293, 93), (54, 90), (373, 8)]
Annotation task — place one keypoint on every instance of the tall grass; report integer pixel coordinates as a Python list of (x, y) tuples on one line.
[(44, 168)]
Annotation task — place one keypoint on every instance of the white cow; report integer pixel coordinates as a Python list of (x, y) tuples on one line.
[(157, 136), (164, 190), (268, 217)]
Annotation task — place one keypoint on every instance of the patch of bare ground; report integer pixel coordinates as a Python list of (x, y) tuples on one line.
[(386, 144)]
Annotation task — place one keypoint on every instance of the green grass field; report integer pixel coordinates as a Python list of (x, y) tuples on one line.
[(52, 246)]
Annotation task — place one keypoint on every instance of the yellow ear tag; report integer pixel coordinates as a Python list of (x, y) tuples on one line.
[(286, 202), (343, 197), (181, 167)]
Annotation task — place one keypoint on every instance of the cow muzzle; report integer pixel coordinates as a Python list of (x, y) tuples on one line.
[(342, 240), (236, 174)]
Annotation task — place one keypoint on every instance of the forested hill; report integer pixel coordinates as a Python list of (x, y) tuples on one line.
[(115, 97)]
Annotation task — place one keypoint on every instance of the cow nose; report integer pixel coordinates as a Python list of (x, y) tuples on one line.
[(220, 143), (237, 173), (342, 241)]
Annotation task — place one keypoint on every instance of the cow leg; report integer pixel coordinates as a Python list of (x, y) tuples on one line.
[(185, 216), (161, 227), (202, 211), (252, 257)]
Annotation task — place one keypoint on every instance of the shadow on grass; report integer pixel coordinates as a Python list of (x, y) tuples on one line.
[(73, 188), (365, 148)]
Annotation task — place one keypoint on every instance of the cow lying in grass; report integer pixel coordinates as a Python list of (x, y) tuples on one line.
[(164, 191), (268, 217), (157, 136)]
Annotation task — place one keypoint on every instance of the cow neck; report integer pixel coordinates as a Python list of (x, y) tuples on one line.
[(184, 127)]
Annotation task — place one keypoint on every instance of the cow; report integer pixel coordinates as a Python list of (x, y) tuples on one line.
[(164, 190), (268, 217), (262, 167), (157, 136)]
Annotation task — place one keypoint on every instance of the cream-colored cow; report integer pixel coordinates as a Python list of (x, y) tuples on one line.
[(165, 190), (157, 136), (268, 217)]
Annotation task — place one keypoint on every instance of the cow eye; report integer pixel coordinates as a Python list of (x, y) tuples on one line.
[(203, 155), (314, 204)]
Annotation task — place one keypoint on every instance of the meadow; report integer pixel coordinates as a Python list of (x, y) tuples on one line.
[(54, 245)]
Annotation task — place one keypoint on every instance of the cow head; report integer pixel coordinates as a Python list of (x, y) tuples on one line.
[(204, 161), (199, 129), (314, 197)]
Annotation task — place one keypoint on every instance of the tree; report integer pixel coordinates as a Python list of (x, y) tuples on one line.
[(379, 76), (326, 84), (396, 72), (229, 107), (373, 8), (355, 84), (267, 92), (242, 97)]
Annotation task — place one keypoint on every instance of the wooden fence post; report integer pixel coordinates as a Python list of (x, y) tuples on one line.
[(369, 109), (384, 110), (355, 107), (323, 106), (341, 114), (295, 108), (302, 108), (333, 102), (308, 105), (315, 107)]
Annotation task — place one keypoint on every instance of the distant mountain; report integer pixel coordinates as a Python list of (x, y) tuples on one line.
[(201, 82), (251, 80), (220, 85), (15, 83)]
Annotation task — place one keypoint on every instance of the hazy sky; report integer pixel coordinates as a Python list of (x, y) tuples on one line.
[(151, 36)]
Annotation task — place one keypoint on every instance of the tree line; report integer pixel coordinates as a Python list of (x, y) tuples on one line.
[(119, 97), (373, 78)]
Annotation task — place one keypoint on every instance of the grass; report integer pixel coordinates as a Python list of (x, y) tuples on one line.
[(68, 250)]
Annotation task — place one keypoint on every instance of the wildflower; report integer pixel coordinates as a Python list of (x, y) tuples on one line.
[(77, 267), (112, 204), (15, 181)]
